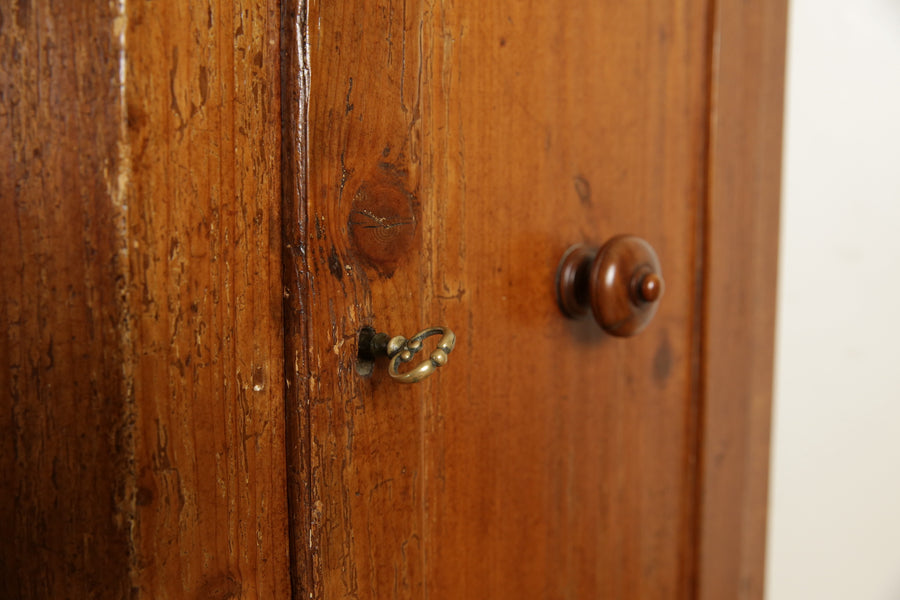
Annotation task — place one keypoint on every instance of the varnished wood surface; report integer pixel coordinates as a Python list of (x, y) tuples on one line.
[(295, 280), (204, 129), (452, 153), (621, 282), (740, 274), (143, 435), (66, 504), (477, 142)]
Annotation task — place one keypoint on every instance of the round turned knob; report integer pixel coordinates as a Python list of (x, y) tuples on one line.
[(621, 282)]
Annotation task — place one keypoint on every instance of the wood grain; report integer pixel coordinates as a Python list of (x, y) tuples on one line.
[(365, 451), (295, 78), (438, 159), (546, 460), (739, 299), (143, 301), (204, 126), (66, 502)]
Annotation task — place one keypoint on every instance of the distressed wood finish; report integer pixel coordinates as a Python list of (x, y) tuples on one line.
[(438, 159), (142, 301), (365, 449), (297, 375), (66, 503), (474, 142), (204, 125)]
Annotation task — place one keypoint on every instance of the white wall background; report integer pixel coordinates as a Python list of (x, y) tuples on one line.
[(834, 525)]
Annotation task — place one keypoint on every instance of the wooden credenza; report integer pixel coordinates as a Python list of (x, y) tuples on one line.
[(202, 205)]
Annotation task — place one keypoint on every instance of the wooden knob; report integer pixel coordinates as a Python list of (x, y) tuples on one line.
[(621, 282)]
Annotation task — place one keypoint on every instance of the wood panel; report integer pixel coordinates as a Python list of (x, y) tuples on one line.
[(739, 302), (364, 155), (143, 301), (66, 505), (560, 455), (204, 129), (454, 152)]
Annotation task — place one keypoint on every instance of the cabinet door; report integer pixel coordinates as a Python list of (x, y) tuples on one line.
[(441, 158), (163, 265)]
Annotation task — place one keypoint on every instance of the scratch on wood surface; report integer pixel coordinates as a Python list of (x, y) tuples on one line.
[(348, 106), (374, 221)]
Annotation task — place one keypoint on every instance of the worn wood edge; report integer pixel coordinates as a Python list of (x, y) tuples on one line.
[(740, 265), (295, 80), (76, 546), (122, 197)]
